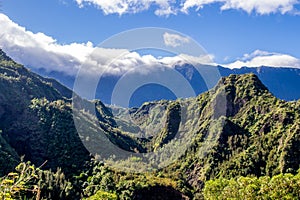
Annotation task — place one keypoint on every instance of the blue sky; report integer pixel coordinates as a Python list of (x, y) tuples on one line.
[(229, 30)]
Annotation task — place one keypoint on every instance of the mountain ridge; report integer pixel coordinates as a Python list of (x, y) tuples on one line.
[(282, 82), (238, 128)]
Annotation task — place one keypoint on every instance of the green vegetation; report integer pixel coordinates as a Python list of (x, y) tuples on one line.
[(236, 141), (8, 157), (282, 186), (32, 182), (103, 195)]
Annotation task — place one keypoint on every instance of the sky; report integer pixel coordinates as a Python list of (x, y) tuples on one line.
[(233, 33)]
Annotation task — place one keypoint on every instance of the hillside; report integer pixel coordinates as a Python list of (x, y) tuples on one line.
[(236, 129), (42, 133), (259, 135), (240, 127), (36, 121)]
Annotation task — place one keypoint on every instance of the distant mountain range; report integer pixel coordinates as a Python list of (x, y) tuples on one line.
[(238, 128), (282, 82)]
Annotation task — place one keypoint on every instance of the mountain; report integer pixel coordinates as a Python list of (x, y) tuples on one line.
[(245, 119), (36, 119), (259, 134), (282, 82), (238, 128)]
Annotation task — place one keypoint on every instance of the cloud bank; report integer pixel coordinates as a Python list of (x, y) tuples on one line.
[(263, 58), (37, 50), (168, 7)]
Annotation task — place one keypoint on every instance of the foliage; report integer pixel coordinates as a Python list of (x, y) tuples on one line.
[(259, 134), (8, 157), (282, 186), (101, 179), (31, 182), (15, 184), (103, 196)]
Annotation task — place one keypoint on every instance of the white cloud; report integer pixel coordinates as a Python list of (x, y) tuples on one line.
[(168, 7), (174, 40), (165, 11), (261, 7), (258, 6), (198, 4), (262, 58), (37, 50), (125, 61), (130, 6)]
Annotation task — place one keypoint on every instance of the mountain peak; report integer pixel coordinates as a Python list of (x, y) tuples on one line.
[(245, 84), (234, 91)]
